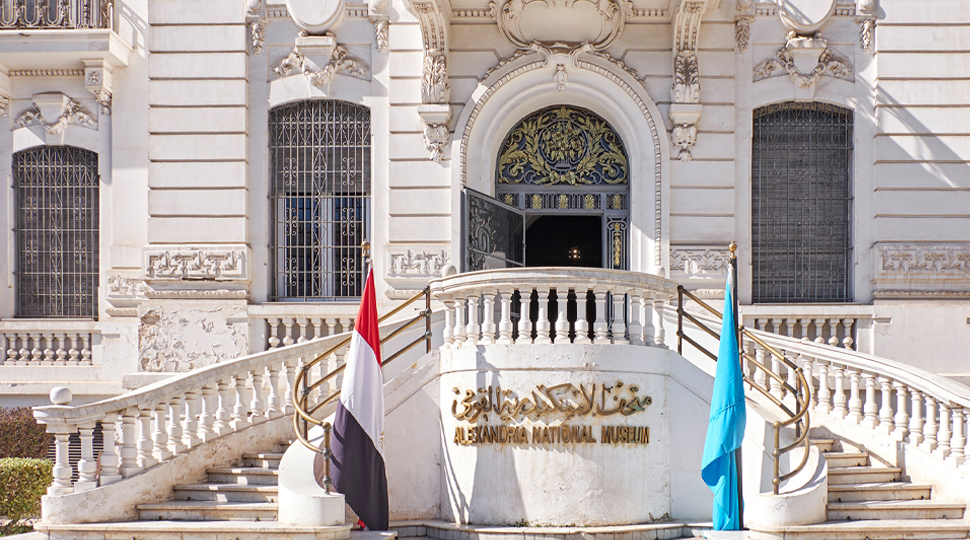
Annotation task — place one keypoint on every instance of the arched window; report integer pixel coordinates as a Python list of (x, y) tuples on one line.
[(801, 163), (320, 173), (57, 231)]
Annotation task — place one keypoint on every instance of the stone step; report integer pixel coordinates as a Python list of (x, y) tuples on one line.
[(267, 460), (847, 459), (824, 445), (208, 511), (442, 530), (922, 529), (863, 475), (893, 510), (243, 475), (227, 492), (204, 530), (886, 491)]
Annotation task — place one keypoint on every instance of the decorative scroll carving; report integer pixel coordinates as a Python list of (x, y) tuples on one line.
[(784, 62), (257, 33), (563, 145), (71, 113), (742, 33), (687, 88), (418, 264), (436, 136), (685, 108), (518, 20), (701, 261), (340, 61), (126, 287), (196, 264), (434, 78), (925, 260)]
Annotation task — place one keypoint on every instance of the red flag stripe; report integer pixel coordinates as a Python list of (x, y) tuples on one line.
[(366, 324)]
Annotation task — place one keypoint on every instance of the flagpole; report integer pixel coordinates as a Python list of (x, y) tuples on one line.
[(737, 329)]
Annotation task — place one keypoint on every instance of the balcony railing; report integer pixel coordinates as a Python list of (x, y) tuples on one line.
[(286, 324), (56, 14), (48, 342), (835, 325)]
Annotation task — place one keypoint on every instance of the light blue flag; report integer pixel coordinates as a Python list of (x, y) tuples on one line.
[(726, 429)]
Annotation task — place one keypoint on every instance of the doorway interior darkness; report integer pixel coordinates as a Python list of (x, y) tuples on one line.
[(564, 240)]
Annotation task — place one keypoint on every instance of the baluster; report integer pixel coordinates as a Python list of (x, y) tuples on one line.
[(302, 322), (273, 402), (760, 377), (459, 323), (23, 354), (86, 349), (838, 397), (803, 323), (525, 317), (5, 351), (448, 333), (36, 353), (562, 322), (317, 327), (62, 466), (943, 433), (159, 435), (834, 332), (175, 444), (636, 328), (256, 405), (824, 397), (222, 426), (288, 332), (290, 367), (129, 442), (959, 440), (902, 418), (145, 445), (109, 454), (790, 327), (847, 341), (488, 317), (190, 424), (274, 324), (239, 412), (820, 331), (505, 319), (886, 410), (618, 328), (870, 409), (48, 349), (855, 401), (87, 467), (207, 419), (648, 329), (542, 320), (790, 376), (11, 358), (74, 355), (600, 326), (807, 369), (473, 329), (658, 322), (582, 325), (773, 326), (773, 383), (331, 326), (916, 418), (61, 353), (931, 427)]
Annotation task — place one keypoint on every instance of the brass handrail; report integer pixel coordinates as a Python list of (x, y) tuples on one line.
[(302, 388), (801, 392)]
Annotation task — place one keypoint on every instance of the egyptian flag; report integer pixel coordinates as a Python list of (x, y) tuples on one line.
[(358, 442)]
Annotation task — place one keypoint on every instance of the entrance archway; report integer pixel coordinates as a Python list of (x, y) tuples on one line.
[(568, 170)]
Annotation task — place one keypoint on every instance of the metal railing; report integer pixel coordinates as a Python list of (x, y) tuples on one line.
[(303, 414), (794, 385), (56, 14)]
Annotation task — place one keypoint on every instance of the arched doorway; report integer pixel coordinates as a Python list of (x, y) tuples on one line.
[(567, 170)]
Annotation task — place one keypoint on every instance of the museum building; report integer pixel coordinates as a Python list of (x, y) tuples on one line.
[(549, 188)]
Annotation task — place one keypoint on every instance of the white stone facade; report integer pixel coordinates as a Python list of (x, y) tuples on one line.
[(174, 96)]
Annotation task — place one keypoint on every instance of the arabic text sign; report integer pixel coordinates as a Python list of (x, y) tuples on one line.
[(567, 399)]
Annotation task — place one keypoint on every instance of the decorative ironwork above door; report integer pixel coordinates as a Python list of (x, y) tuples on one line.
[(563, 145)]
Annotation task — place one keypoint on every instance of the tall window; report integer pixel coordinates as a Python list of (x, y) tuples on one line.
[(320, 165), (57, 232), (800, 203)]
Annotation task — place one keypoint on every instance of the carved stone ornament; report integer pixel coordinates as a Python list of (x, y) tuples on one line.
[(685, 93), (687, 88), (378, 16), (257, 34), (98, 79), (195, 264), (560, 78), (4, 105), (700, 261), (867, 29), (47, 105), (562, 24), (434, 78), (685, 138), (805, 17), (316, 17), (125, 293), (436, 136), (742, 33), (925, 260), (418, 264), (339, 61), (785, 61)]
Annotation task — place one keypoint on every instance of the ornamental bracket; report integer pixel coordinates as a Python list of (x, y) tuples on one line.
[(434, 17), (685, 107)]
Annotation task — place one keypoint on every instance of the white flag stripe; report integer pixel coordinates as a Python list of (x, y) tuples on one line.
[(362, 392)]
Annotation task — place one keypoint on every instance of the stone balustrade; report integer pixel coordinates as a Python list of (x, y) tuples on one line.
[(552, 305), (894, 399), (155, 423), (285, 324), (835, 325), (49, 342), (56, 14)]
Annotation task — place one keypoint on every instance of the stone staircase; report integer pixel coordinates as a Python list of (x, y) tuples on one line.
[(867, 502)]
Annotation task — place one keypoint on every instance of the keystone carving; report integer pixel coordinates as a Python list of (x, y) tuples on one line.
[(520, 21), (70, 113), (340, 61), (784, 62)]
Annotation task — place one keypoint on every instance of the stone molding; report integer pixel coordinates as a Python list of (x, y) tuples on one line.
[(199, 294), (200, 264), (98, 79), (70, 113), (46, 73), (700, 261)]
